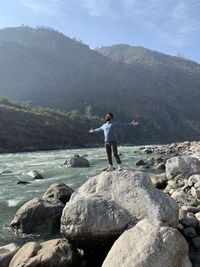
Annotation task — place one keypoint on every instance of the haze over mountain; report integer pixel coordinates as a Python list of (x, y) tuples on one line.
[(163, 92)]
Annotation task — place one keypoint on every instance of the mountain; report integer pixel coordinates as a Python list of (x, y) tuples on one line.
[(46, 67)]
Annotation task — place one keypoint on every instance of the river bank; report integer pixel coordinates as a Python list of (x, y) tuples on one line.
[(173, 173)]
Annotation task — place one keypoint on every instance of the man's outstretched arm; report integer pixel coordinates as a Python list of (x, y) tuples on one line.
[(123, 125), (95, 130), (135, 123)]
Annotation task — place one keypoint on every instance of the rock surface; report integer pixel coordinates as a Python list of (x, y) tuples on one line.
[(59, 191), (38, 215), (131, 191), (186, 166), (6, 254), (34, 174), (53, 253), (149, 243), (95, 220), (77, 162)]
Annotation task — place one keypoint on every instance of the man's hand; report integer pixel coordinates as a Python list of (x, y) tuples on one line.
[(91, 131), (135, 123)]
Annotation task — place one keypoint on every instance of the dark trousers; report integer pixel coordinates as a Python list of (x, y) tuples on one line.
[(112, 147)]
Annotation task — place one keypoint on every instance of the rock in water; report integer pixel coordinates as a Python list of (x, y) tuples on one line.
[(38, 215), (34, 174), (77, 162)]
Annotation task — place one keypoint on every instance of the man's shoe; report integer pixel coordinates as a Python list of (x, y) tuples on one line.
[(110, 168), (106, 168), (119, 167)]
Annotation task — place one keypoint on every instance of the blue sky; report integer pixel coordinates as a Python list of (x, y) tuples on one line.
[(168, 26)]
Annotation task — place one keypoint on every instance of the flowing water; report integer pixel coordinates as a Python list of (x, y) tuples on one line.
[(49, 165)]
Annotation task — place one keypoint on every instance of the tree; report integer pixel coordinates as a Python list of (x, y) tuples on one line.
[(88, 111)]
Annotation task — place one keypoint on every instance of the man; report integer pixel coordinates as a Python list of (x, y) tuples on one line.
[(110, 138)]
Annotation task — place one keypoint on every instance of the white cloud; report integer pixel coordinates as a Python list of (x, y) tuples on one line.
[(50, 8), (98, 7), (173, 21)]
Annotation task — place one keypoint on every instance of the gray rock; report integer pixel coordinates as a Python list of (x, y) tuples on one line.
[(140, 162), (59, 191), (196, 242), (6, 254), (191, 209), (34, 174), (149, 243), (189, 232), (38, 215), (159, 180), (5, 172), (189, 220), (94, 220), (160, 166), (53, 253), (23, 182), (132, 191), (197, 215), (77, 162), (182, 165), (194, 179), (181, 198), (155, 160), (195, 192)]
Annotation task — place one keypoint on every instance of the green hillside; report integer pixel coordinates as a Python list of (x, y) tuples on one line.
[(28, 128)]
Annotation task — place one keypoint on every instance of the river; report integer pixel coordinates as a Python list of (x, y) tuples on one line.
[(49, 165)]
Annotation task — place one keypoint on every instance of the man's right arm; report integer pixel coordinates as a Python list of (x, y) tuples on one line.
[(96, 130)]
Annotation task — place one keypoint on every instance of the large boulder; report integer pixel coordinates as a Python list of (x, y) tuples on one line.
[(149, 243), (77, 162), (38, 215), (53, 253), (59, 191), (131, 191), (184, 165), (6, 254), (94, 220)]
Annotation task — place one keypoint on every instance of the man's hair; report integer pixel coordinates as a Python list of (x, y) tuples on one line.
[(110, 114)]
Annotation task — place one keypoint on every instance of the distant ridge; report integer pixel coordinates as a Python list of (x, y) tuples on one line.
[(46, 67)]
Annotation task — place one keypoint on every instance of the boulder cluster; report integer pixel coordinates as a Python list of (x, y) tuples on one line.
[(125, 218), (185, 148)]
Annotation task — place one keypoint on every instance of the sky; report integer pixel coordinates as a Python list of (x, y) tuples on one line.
[(168, 26)]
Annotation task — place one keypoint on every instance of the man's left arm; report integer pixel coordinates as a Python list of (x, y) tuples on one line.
[(124, 125)]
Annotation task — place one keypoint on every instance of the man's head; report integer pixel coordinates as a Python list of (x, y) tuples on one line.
[(109, 116)]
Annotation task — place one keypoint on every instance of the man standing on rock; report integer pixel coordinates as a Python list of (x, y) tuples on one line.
[(110, 138)]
